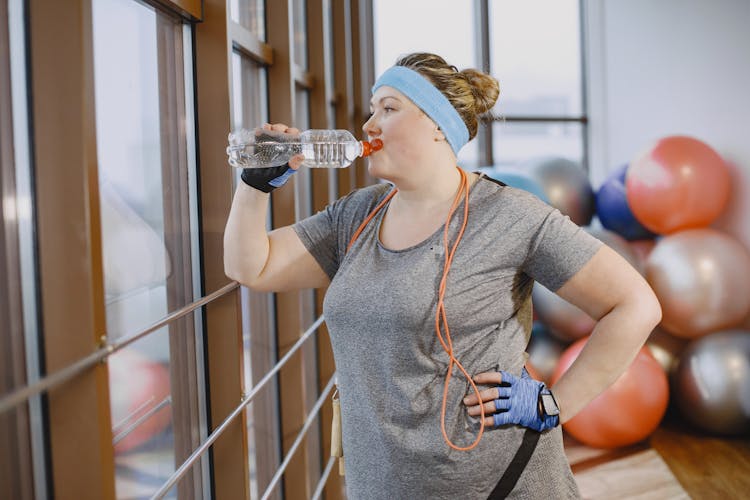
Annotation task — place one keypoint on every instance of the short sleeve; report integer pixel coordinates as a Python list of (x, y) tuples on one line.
[(327, 233), (558, 250), (318, 234)]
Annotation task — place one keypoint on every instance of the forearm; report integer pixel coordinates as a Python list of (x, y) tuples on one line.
[(246, 244), (612, 346)]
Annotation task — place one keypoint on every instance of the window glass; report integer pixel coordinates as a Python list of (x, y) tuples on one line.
[(250, 14), (22, 431), (514, 142), (299, 16), (249, 110), (535, 49), (146, 237), (443, 27)]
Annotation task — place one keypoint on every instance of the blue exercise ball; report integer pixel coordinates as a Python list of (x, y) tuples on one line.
[(517, 179), (613, 210)]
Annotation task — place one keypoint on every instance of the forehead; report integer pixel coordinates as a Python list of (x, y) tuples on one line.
[(386, 93)]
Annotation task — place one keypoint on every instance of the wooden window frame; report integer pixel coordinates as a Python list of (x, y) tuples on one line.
[(16, 466)]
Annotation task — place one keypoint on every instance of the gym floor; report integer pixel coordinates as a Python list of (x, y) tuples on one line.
[(676, 462)]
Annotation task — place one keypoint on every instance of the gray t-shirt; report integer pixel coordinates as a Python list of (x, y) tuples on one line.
[(380, 311)]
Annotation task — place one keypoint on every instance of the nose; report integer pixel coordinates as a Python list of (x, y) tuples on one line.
[(370, 127)]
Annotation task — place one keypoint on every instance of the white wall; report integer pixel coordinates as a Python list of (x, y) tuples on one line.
[(665, 67)]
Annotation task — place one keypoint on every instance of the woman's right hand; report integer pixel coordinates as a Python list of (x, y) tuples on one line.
[(268, 179)]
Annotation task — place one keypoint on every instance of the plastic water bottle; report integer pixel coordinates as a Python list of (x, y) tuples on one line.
[(260, 148)]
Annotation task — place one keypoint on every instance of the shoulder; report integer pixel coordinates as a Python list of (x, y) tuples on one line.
[(505, 197), (358, 203)]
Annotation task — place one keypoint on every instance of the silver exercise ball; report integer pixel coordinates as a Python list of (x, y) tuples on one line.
[(666, 348), (566, 185), (711, 385), (702, 280)]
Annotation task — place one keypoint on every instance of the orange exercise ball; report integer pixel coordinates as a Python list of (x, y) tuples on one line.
[(139, 396), (628, 411), (678, 183)]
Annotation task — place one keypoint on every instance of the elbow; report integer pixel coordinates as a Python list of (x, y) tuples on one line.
[(649, 308), (251, 282), (233, 272)]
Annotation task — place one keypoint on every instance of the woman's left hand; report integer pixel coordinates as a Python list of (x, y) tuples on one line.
[(514, 400)]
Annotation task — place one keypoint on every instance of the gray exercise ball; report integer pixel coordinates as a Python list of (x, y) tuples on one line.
[(711, 382), (566, 185)]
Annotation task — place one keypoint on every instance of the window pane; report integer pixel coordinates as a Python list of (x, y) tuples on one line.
[(250, 14), (250, 109), (22, 453), (443, 27), (515, 143), (299, 15), (535, 51), (145, 200), (249, 93)]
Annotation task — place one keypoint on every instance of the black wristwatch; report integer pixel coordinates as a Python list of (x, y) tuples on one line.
[(547, 403)]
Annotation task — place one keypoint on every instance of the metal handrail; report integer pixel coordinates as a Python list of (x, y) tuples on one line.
[(64, 374), (182, 470), (300, 436), (324, 478)]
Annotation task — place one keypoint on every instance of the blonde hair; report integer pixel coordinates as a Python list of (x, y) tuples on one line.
[(472, 92)]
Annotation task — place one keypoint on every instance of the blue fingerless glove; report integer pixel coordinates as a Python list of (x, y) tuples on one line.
[(520, 403), (267, 179)]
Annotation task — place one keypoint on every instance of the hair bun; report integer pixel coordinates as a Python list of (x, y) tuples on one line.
[(485, 88)]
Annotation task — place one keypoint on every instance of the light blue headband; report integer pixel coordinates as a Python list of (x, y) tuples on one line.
[(430, 100)]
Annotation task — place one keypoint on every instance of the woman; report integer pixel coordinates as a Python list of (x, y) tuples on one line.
[(419, 323)]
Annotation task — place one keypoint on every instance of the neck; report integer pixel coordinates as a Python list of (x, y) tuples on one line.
[(431, 192)]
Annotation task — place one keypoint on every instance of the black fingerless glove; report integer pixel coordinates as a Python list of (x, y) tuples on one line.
[(267, 179)]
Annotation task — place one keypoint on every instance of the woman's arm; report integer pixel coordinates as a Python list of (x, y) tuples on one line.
[(271, 262), (626, 310)]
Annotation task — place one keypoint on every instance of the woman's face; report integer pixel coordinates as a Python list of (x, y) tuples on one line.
[(407, 134)]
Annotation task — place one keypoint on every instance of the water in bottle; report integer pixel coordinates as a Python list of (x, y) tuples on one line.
[(259, 148)]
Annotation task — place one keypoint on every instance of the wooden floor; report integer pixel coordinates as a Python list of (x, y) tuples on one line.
[(676, 462)]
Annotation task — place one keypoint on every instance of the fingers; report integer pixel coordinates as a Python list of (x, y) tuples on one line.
[(488, 378), (486, 395), (296, 161), (281, 127), (476, 410)]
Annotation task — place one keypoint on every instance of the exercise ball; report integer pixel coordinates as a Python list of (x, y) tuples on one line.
[(138, 389), (677, 183), (564, 320), (566, 186), (702, 280), (642, 249), (518, 179), (544, 352), (665, 348), (710, 382), (625, 413), (533, 373), (613, 211)]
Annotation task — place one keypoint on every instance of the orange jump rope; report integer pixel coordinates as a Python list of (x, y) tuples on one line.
[(440, 314)]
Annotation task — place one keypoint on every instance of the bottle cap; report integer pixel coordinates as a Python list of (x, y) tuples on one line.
[(370, 147)]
